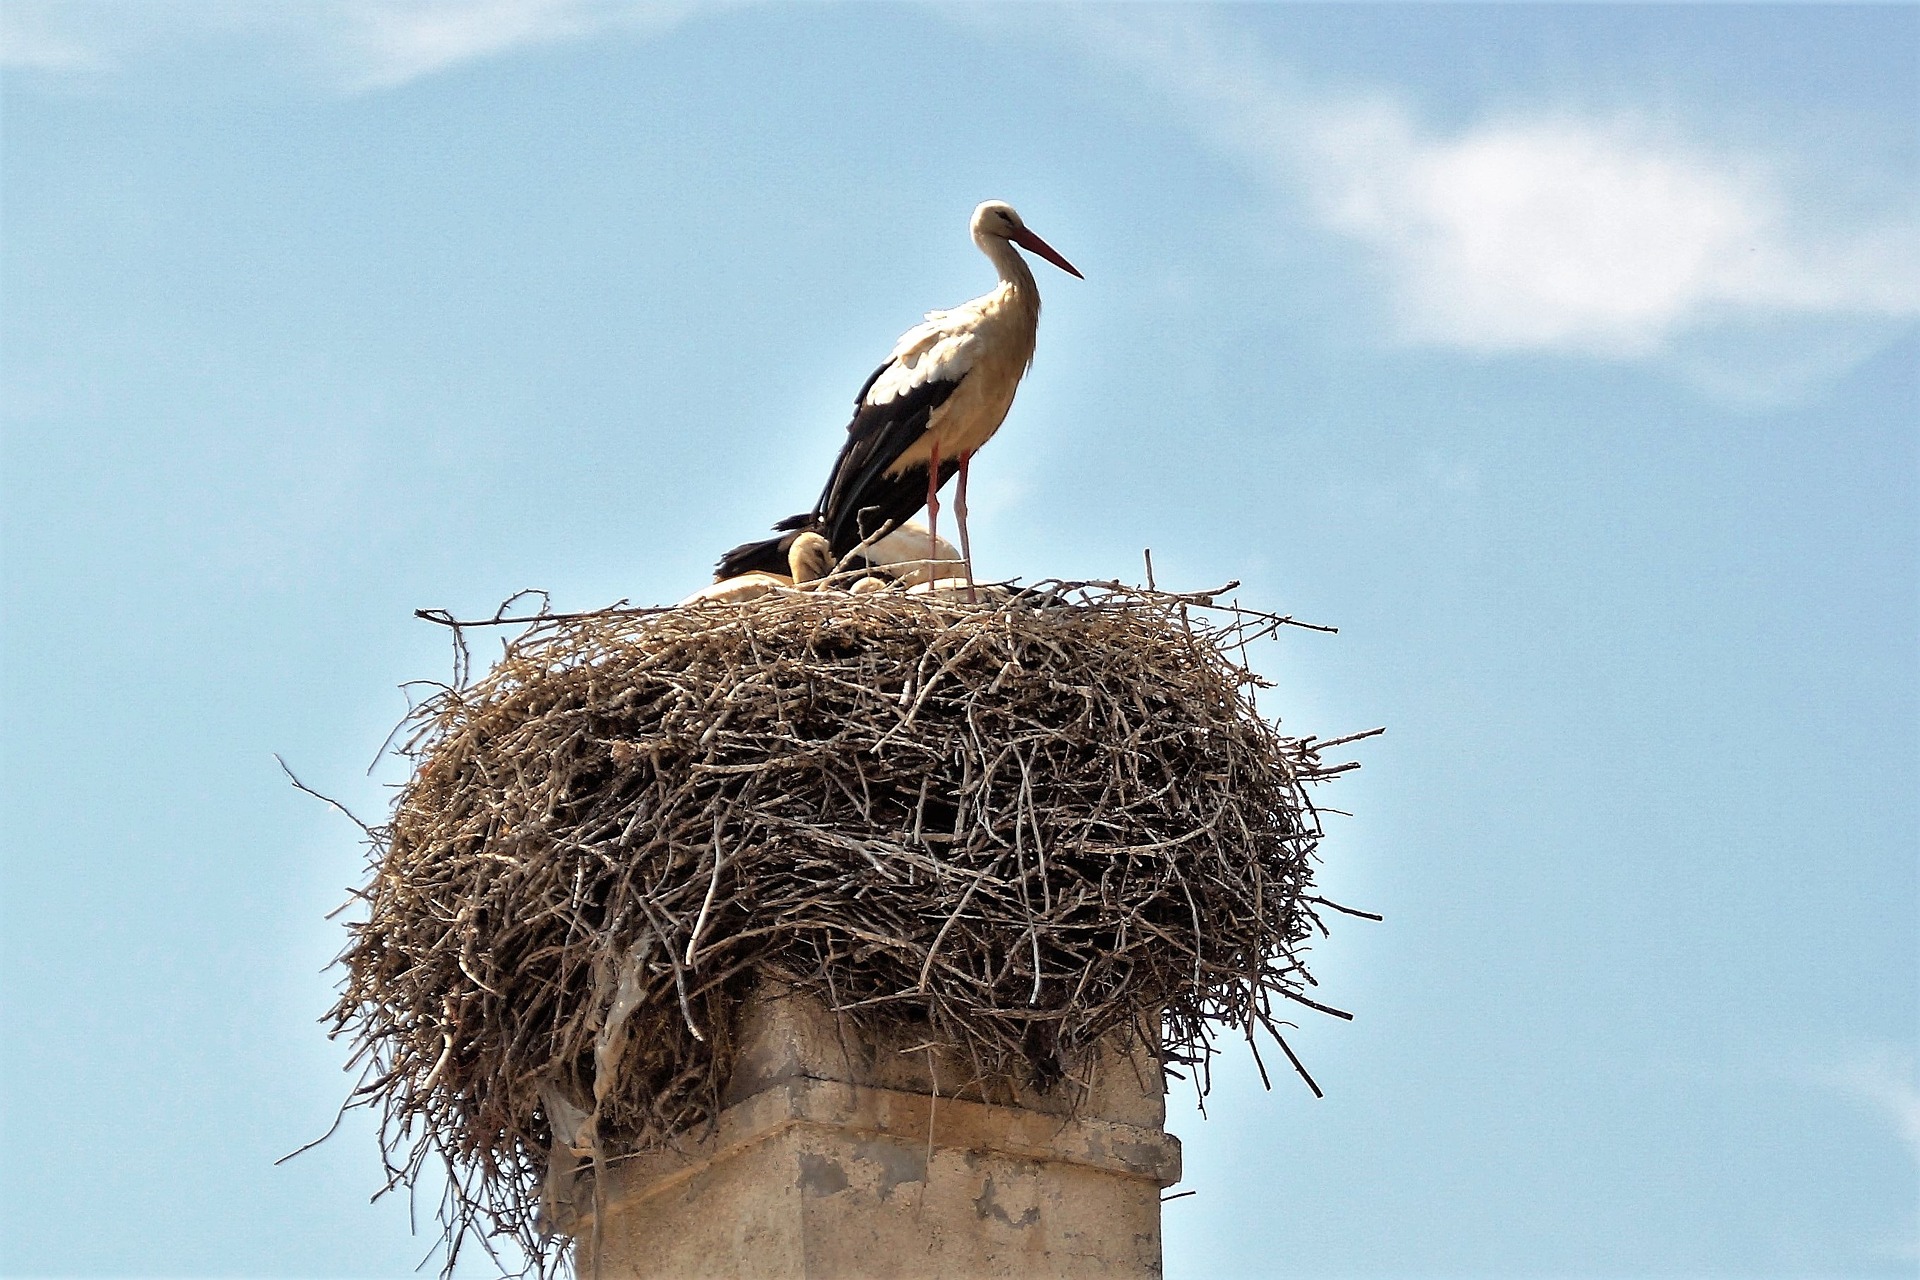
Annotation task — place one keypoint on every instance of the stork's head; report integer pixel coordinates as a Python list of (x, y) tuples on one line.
[(1000, 220)]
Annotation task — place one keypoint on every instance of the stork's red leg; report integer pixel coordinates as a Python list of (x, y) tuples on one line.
[(960, 515), (933, 505)]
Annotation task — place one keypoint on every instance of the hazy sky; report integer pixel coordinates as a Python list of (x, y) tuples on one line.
[(1565, 358)]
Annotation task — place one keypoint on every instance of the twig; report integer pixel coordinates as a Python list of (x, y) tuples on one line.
[(298, 785)]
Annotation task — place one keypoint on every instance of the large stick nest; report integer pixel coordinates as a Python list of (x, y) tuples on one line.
[(1025, 824)]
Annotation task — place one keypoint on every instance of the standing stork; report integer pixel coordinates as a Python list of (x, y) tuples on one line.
[(919, 419)]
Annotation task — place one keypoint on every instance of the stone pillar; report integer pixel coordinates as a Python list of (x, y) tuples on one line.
[(835, 1160)]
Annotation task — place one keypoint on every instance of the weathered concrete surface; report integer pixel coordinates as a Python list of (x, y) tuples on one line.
[(837, 1160)]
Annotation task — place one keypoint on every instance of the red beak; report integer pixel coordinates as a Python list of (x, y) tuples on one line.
[(1027, 240)]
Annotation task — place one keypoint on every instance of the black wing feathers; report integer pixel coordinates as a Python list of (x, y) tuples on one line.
[(860, 396), (887, 500), (860, 496)]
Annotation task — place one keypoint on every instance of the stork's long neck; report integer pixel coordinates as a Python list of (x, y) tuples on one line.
[(1013, 272)]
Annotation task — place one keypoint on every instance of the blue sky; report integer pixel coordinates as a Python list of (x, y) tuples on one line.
[(1565, 358)]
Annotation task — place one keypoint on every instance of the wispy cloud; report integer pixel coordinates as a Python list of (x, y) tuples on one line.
[(354, 45), (401, 40), (1889, 1082), (37, 37), (1566, 234), (1546, 231)]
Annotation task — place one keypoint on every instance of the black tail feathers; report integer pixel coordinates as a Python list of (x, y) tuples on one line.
[(769, 555), (766, 556)]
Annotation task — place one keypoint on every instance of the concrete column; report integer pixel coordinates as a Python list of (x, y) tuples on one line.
[(836, 1160)]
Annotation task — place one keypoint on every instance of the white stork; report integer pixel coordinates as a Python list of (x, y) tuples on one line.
[(899, 557), (941, 395), (902, 555)]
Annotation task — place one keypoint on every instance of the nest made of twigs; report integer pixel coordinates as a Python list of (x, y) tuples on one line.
[(1022, 823)]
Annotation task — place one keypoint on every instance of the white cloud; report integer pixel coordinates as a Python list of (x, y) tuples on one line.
[(1548, 230), (1580, 235), (1889, 1082), (32, 39), (354, 44), (401, 40)]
